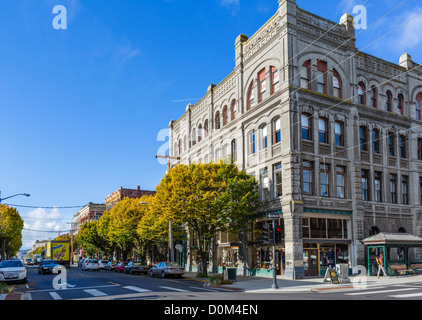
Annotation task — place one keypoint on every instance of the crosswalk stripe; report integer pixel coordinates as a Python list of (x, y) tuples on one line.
[(55, 295), (409, 295), (375, 292), (3, 296), (137, 289), (175, 289), (96, 293), (205, 289)]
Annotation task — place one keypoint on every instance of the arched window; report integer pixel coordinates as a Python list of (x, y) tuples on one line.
[(233, 109), (225, 116), (376, 141), (275, 77), (389, 104), (339, 133), (337, 85), (251, 95), (217, 120), (323, 130), (234, 150), (306, 127), (276, 130), (361, 93), (402, 230), (363, 138), (391, 141), (179, 147), (199, 133), (419, 106), (400, 104), (251, 142), (322, 76), (402, 147), (193, 137), (206, 128), (374, 230), (185, 146), (262, 84), (263, 132), (374, 97), (305, 75)]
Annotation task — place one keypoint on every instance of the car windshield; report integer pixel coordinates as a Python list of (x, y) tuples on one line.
[(93, 261), (50, 262), (11, 264), (172, 264), (28, 259), (104, 261), (137, 263)]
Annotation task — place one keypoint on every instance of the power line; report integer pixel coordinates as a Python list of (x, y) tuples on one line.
[(47, 231), (41, 207)]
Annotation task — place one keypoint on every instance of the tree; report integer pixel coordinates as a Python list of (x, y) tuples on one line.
[(206, 198), (11, 225)]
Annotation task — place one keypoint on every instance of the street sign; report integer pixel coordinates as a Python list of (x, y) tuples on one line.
[(273, 215)]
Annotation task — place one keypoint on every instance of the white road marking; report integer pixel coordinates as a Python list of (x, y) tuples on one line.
[(175, 289), (55, 295), (96, 293), (409, 295), (375, 292), (3, 296), (137, 289)]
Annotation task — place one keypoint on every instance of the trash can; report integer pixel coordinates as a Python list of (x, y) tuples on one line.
[(231, 274)]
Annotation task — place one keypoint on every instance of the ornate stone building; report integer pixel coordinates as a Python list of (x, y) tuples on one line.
[(122, 193), (333, 136)]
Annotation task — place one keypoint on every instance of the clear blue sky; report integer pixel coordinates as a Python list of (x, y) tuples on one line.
[(81, 108)]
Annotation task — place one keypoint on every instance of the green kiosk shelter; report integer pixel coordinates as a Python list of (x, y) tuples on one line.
[(395, 249)]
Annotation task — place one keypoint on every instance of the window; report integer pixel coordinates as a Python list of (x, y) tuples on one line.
[(275, 77), (374, 97), (420, 190), (404, 189), (361, 93), (305, 75), (265, 186), (376, 141), (322, 76), (251, 142), (262, 83), (323, 130), (251, 95), (363, 138), (217, 155), (337, 85), (217, 121), (264, 137), (308, 175), (179, 146), (206, 128), (225, 116), (420, 149), (199, 133), (306, 127), (391, 144), (276, 130), (175, 150), (378, 186), (365, 185), (193, 137), (419, 106), (389, 105), (340, 180), (324, 176), (234, 150), (400, 104), (233, 109), (339, 133), (402, 144), (185, 147), (278, 184), (393, 188)]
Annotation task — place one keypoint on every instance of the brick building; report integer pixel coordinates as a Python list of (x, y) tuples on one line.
[(122, 193)]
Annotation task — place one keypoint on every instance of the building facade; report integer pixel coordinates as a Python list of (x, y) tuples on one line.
[(333, 136), (90, 212), (122, 193)]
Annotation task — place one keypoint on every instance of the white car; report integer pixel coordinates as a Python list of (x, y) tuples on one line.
[(102, 263), (90, 264), (12, 270)]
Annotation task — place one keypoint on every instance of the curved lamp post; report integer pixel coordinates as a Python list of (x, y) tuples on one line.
[(19, 194)]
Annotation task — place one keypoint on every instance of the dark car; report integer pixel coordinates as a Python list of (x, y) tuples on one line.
[(50, 266), (120, 267), (137, 267)]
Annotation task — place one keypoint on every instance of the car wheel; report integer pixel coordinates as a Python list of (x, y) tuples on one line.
[(163, 275), (151, 274)]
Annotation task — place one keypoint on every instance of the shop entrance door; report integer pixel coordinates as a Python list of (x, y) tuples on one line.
[(310, 262)]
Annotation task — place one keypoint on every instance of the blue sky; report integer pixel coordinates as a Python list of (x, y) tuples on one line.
[(81, 108)]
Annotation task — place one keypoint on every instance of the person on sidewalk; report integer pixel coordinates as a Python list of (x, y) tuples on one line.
[(380, 262)]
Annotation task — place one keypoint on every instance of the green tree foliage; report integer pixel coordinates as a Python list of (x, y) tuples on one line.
[(11, 225)]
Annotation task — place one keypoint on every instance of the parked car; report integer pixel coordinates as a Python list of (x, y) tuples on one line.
[(120, 267), (12, 270), (137, 267), (90, 264), (165, 269), (81, 262), (102, 263), (50, 266), (110, 266)]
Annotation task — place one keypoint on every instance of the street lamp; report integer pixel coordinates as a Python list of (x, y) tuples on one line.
[(19, 194)]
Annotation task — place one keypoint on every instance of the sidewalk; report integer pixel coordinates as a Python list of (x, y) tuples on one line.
[(264, 285)]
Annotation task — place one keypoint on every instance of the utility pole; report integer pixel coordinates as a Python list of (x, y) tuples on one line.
[(71, 242)]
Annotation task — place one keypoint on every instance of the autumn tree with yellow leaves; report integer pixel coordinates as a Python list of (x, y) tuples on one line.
[(11, 225)]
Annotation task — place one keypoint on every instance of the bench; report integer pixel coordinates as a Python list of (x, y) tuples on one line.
[(417, 267), (400, 270)]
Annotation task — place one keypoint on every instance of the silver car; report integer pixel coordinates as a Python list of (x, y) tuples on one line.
[(165, 269), (12, 270), (102, 263), (90, 264)]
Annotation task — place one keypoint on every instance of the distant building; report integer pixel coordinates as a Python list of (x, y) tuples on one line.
[(122, 193), (90, 212)]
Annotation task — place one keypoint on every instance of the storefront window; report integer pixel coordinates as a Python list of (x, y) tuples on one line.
[(318, 228), (327, 257), (335, 228)]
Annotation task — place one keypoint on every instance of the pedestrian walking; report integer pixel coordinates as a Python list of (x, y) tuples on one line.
[(380, 262)]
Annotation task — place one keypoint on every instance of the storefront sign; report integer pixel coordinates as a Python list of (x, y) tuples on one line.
[(332, 276)]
